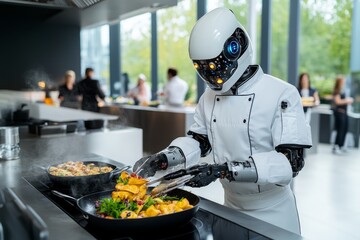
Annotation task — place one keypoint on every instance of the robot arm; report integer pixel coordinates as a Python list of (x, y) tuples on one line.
[(242, 171), (272, 167), (183, 150), (247, 171), (203, 140), (148, 166), (295, 155), (290, 135)]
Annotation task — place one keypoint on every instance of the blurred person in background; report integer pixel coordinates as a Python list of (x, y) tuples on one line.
[(68, 94), (309, 96), (90, 91), (339, 107), (141, 92), (175, 89)]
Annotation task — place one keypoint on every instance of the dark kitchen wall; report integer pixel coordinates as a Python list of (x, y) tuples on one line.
[(35, 48)]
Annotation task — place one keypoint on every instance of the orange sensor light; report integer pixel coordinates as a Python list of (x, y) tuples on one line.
[(212, 66), (196, 66), (219, 81)]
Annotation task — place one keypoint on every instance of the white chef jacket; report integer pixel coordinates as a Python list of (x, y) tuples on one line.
[(135, 91), (251, 124), (175, 91)]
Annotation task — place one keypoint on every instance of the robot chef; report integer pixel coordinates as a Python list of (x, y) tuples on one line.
[(252, 123)]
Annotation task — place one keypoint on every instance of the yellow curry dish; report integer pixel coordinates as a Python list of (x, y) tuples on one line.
[(130, 200), (71, 169)]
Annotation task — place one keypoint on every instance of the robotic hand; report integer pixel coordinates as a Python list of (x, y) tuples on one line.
[(208, 173), (148, 166), (204, 174)]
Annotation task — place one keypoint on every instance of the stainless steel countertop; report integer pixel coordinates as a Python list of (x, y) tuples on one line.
[(37, 152)]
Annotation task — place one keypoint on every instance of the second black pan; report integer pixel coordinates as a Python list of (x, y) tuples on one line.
[(98, 179)]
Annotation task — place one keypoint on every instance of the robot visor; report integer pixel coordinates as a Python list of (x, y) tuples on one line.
[(216, 71)]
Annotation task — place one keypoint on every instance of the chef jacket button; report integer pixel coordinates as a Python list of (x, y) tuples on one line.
[(217, 99), (244, 121), (249, 99), (214, 120)]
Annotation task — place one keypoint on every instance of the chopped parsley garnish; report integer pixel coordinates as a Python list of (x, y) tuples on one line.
[(114, 208), (148, 203)]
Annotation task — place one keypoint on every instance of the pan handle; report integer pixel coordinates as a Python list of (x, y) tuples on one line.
[(62, 195), (116, 171)]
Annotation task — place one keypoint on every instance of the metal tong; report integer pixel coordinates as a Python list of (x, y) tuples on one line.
[(175, 179), (166, 186)]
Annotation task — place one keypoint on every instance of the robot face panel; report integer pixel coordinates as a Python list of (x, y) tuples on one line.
[(218, 70)]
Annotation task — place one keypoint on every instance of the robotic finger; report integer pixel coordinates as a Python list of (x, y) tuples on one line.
[(195, 176)]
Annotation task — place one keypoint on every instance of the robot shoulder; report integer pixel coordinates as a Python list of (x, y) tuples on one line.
[(281, 88), (276, 83)]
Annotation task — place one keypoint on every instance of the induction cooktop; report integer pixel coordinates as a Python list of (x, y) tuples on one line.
[(205, 225)]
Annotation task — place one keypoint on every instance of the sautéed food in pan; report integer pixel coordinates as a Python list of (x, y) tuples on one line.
[(130, 200), (71, 169)]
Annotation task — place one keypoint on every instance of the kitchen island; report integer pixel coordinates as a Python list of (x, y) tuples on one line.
[(120, 146), (160, 124)]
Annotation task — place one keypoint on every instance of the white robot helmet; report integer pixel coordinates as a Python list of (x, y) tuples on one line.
[(220, 49)]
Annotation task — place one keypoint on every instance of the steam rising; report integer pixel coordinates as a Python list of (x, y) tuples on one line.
[(36, 75)]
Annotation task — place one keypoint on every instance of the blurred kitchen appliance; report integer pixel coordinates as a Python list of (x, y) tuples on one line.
[(21, 114), (94, 124), (48, 127), (9, 143)]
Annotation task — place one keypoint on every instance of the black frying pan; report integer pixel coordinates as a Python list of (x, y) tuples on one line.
[(87, 206), (68, 181)]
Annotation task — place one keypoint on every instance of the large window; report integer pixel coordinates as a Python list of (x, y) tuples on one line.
[(95, 54), (239, 7), (279, 38), (174, 27), (325, 41), (325, 35), (136, 47)]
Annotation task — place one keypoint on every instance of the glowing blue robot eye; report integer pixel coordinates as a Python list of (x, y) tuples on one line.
[(233, 47)]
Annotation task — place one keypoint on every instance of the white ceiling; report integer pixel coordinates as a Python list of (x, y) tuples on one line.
[(113, 10), (101, 12)]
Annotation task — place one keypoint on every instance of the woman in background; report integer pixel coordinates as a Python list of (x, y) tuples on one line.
[(141, 92), (339, 106), (68, 94), (309, 95)]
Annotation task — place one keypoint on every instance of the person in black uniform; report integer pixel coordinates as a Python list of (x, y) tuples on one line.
[(90, 90), (339, 106), (68, 94)]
